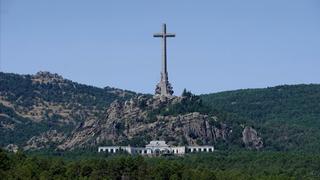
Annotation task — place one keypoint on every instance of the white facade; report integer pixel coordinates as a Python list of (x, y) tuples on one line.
[(200, 148), (178, 150), (156, 148)]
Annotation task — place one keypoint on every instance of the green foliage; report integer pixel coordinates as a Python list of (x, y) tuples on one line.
[(24, 128), (287, 117), (218, 165), (23, 93), (21, 90), (137, 141), (189, 103)]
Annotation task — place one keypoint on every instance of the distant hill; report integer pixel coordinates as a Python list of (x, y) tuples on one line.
[(46, 111), (32, 104), (287, 116)]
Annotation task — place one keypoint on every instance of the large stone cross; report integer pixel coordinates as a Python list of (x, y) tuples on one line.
[(164, 87)]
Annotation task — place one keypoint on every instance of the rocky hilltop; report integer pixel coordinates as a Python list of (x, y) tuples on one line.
[(131, 122), (126, 121), (32, 107), (47, 111)]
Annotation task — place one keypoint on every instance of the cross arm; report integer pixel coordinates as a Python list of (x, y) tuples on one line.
[(170, 35), (166, 35), (158, 35)]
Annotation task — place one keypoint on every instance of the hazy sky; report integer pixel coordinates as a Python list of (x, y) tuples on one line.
[(220, 45)]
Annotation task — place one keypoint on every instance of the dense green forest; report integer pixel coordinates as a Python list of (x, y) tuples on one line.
[(287, 117), (218, 165)]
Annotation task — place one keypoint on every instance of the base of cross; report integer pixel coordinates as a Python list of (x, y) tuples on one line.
[(164, 88)]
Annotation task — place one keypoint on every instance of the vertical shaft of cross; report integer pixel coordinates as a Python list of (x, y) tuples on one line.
[(164, 52), (164, 88)]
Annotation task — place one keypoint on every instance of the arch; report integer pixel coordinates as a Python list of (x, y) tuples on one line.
[(157, 152)]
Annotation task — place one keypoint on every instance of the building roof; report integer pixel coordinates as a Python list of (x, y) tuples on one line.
[(157, 144)]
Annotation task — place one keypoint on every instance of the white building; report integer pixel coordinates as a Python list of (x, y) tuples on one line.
[(156, 148)]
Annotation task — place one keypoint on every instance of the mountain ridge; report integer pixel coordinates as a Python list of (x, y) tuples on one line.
[(43, 110)]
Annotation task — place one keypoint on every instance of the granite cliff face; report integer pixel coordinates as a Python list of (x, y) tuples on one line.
[(124, 122), (45, 140), (251, 139), (130, 122)]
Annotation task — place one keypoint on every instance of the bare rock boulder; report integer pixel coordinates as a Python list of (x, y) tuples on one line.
[(251, 139)]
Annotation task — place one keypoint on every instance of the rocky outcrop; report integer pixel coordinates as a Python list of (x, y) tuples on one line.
[(140, 119), (47, 77), (251, 139), (46, 139), (12, 148), (129, 120)]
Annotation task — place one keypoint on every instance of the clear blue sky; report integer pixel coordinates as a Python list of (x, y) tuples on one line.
[(220, 45)]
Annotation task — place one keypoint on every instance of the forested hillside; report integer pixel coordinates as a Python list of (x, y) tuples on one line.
[(288, 116), (44, 110), (33, 104)]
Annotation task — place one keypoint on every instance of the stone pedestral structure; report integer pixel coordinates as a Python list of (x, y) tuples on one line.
[(164, 88)]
